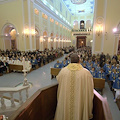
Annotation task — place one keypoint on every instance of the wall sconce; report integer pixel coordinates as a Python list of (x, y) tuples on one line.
[(114, 30), (33, 32), (51, 40), (43, 40), (26, 32), (99, 30)]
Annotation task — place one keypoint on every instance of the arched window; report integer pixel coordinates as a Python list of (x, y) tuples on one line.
[(82, 24), (75, 25), (88, 24)]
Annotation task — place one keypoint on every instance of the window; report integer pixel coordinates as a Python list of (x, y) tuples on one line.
[(36, 11)]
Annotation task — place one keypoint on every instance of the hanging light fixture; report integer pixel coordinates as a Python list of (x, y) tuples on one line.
[(78, 1)]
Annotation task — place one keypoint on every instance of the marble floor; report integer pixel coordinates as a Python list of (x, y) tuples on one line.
[(41, 78)]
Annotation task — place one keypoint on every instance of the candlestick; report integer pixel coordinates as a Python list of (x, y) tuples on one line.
[(23, 63)]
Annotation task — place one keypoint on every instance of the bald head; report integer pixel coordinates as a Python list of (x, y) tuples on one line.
[(74, 58)]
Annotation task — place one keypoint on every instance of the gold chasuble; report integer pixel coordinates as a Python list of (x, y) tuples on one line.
[(75, 93)]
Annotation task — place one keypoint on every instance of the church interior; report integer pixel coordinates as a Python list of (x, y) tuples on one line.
[(37, 38)]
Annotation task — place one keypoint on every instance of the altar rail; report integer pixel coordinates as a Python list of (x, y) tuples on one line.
[(11, 91), (42, 106)]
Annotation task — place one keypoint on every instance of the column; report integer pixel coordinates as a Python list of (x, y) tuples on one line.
[(62, 43), (41, 43), (54, 43), (59, 43), (17, 41), (49, 43), (29, 24), (99, 26), (115, 45), (2, 42)]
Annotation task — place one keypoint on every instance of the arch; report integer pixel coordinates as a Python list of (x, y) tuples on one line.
[(45, 34), (10, 33), (37, 31), (8, 25), (82, 24), (52, 35), (75, 24)]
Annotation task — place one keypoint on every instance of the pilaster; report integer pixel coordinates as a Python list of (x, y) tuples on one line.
[(99, 26)]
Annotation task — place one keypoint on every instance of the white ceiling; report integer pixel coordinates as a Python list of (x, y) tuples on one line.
[(86, 6)]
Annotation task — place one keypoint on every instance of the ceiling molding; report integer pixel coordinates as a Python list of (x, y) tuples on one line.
[(50, 13), (5, 1)]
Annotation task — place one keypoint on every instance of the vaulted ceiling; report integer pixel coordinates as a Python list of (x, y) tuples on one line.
[(80, 6)]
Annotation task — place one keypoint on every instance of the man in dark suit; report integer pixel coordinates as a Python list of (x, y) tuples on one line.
[(102, 59)]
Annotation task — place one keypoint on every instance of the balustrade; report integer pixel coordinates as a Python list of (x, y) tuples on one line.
[(11, 91)]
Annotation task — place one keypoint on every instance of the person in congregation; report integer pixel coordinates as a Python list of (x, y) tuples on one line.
[(34, 63), (58, 65), (92, 71), (64, 64), (116, 87), (28, 65), (39, 60), (68, 60), (73, 102), (84, 65), (102, 59), (5, 69), (108, 71), (1, 67), (118, 69), (106, 65), (115, 57), (108, 57), (101, 74), (95, 63), (113, 77), (97, 69)]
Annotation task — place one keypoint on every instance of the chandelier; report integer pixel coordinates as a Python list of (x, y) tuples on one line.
[(78, 1)]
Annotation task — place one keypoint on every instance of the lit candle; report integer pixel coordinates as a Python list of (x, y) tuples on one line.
[(23, 63)]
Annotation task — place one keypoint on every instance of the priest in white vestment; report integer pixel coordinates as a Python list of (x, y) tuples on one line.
[(75, 92)]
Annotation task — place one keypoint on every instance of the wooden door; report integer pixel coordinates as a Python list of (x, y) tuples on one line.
[(81, 41)]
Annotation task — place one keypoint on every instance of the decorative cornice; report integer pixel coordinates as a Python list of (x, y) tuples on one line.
[(50, 13), (5, 1)]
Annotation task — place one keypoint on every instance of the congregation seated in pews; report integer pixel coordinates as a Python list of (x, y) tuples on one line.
[(100, 65), (10, 59)]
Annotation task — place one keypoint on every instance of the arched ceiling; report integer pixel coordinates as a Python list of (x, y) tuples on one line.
[(78, 7)]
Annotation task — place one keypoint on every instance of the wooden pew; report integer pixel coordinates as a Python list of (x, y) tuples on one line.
[(54, 72), (99, 83), (42, 106), (15, 67), (101, 109)]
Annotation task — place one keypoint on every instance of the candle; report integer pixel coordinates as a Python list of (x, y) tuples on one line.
[(23, 63)]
